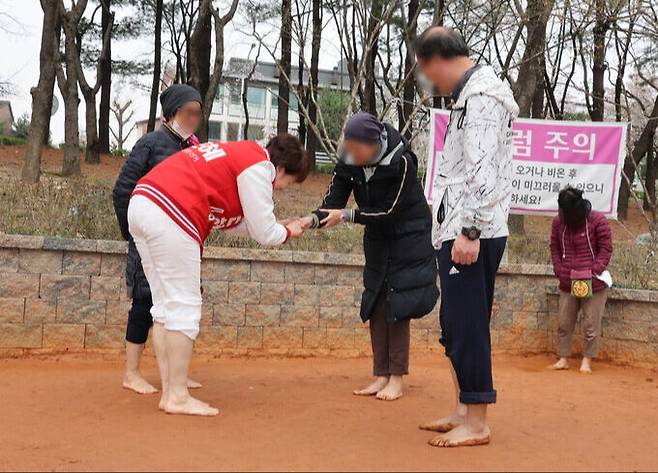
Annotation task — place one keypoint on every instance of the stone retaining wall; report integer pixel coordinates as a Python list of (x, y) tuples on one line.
[(60, 295)]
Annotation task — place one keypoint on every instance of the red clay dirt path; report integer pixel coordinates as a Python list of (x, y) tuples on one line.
[(298, 414)]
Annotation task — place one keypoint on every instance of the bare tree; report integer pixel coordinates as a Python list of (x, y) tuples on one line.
[(157, 65), (312, 138), (42, 94), (67, 80), (643, 146), (89, 91), (199, 59), (285, 65), (107, 21), (220, 23), (123, 114), (245, 93)]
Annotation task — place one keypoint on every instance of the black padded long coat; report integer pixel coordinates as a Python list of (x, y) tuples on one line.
[(400, 258)]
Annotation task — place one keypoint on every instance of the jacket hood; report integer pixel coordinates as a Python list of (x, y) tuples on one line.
[(397, 144), (484, 81)]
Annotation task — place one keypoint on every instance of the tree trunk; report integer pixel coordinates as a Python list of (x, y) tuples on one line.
[(369, 88), (633, 159), (438, 20), (409, 91), (598, 69), (106, 85), (68, 84), (529, 83), (199, 59), (284, 86), (312, 139), (245, 108), (42, 94), (157, 59), (71, 164), (540, 91), (92, 151), (650, 178), (531, 71), (301, 93)]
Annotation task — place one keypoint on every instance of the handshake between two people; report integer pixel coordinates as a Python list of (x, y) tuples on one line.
[(321, 218)]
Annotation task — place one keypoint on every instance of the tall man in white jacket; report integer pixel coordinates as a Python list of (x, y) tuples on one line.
[(471, 205)]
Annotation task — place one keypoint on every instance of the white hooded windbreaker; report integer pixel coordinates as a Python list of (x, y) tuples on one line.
[(473, 181)]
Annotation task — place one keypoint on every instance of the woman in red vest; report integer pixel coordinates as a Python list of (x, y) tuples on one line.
[(226, 186)]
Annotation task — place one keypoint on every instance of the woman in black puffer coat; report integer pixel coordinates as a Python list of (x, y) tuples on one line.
[(181, 108), (379, 168)]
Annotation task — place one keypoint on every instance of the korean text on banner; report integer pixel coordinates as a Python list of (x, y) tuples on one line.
[(548, 156)]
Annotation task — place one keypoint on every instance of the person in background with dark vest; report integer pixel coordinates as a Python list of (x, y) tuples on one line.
[(581, 248), (379, 168), (181, 109)]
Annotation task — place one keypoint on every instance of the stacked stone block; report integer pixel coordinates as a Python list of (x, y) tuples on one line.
[(69, 295)]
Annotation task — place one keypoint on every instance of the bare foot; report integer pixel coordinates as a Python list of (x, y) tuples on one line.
[(444, 425), (462, 436), (586, 366), (562, 364), (393, 389), (191, 384), (163, 401), (189, 406), (379, 384), (136, 382)]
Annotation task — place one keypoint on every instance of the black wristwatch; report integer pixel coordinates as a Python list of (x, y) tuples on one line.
[(472, 233)]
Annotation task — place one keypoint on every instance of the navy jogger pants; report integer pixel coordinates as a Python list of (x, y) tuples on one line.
[(140, 321), (467, 294)]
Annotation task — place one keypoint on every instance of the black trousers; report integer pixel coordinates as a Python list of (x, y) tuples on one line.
[(466, 303), (140, 320), (390, 342)]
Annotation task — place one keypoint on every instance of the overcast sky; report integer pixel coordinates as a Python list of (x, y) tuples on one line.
[(19, 50)]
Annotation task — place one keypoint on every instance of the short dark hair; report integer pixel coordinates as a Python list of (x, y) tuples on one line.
[(287, 151), (570, 198), (440, 41), (573, 208)]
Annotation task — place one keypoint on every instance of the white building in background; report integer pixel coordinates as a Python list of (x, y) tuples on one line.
[(227, 119)]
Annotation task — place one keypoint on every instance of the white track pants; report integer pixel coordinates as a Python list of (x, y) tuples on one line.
[(172, 264)]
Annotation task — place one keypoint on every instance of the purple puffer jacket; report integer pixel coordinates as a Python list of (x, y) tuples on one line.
[(587, 247)]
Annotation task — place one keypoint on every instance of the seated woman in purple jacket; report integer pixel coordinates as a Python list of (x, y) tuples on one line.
[(581, 248)]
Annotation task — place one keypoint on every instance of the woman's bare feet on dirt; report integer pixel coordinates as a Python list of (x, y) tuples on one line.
[(446, 424), (189, 406), (379, 384), (191, 384), (562, 364), (586, 366), (462, 436), (393, 389), (136, 382)]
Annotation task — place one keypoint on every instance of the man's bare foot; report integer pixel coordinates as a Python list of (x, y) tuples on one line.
[(379, 384), (191, 384), (136, 382), (393, 389), (444, 425), (562, 364), (189, 406), (462, 436), (586, 366)]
